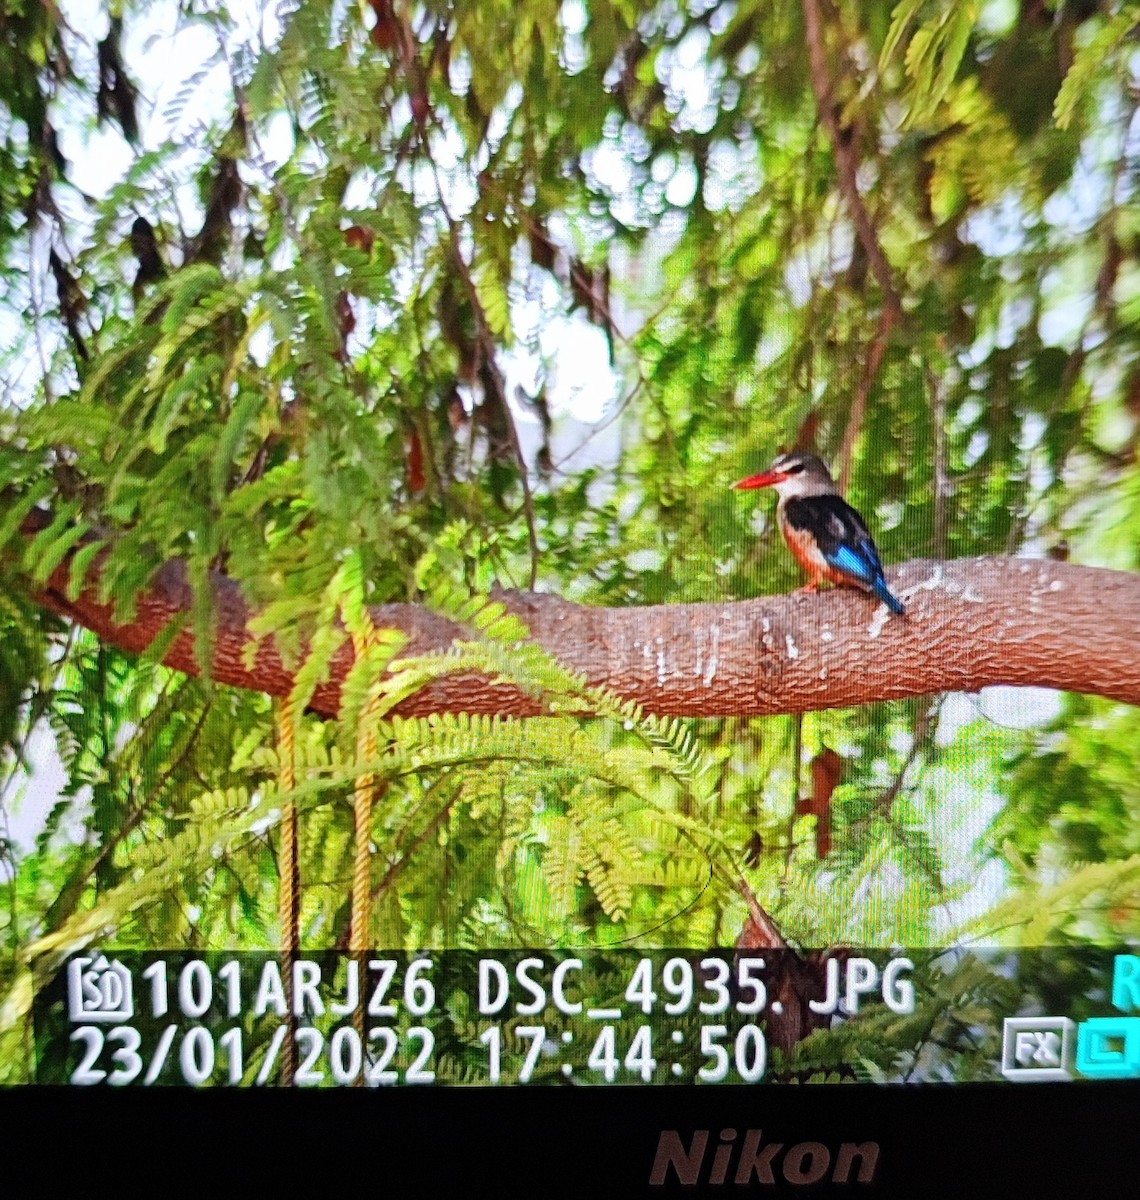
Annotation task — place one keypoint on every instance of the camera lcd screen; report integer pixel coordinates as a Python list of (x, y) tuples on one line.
[(571, 547)]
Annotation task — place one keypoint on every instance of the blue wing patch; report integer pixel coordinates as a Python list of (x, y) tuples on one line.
[(854, 564)]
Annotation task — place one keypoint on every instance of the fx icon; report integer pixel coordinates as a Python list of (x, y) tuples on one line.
[(1036, 1048)]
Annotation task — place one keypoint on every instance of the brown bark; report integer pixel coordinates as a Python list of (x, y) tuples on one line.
[(970, 623)]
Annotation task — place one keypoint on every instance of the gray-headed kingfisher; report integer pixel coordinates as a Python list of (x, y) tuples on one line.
[(828, 537)]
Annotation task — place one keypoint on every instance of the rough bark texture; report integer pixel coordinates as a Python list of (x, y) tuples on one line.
[(970, 623)]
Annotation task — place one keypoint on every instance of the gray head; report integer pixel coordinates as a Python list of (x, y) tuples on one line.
[(792, 475)]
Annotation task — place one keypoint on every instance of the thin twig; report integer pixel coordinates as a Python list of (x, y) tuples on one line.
[(1100, 312), (847, 160), (923, 729), (64, 904), (432, 826), (941, 464), (797, 764), (887, 320), (759, 916), (488, 348), (847, 164)]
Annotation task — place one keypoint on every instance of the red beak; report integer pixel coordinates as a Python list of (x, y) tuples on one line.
[(764, 479)]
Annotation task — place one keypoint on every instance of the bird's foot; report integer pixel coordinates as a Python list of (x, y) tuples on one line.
[(808, 587)]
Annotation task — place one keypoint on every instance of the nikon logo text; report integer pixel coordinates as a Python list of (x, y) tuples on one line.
[(757, 1161)]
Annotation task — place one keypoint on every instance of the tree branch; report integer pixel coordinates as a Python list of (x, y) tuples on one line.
[(847, 160), (970, 623)]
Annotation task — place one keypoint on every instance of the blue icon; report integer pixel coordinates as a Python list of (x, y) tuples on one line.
[(1109, 1047)]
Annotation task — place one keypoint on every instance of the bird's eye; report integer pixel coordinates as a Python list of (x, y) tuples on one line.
[(794, 468)]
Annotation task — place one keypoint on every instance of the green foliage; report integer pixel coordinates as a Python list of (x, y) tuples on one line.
[(344, 374), (1103, 46)]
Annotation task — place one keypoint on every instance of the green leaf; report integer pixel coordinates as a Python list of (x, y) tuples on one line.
[(1101, 49)]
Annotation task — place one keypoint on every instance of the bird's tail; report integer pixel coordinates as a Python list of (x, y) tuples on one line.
[(888, 597)]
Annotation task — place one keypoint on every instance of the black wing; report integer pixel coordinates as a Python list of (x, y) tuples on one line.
[(840, 533)]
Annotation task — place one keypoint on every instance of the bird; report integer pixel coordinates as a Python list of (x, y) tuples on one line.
[(828, 537)]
